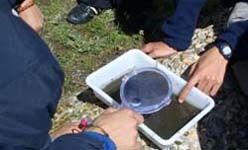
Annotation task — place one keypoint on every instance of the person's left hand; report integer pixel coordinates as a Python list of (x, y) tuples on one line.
[(207, 74), (33, 17), (158, 49)]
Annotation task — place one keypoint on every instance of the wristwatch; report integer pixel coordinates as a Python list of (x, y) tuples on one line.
[(25, 4), (224, 49)]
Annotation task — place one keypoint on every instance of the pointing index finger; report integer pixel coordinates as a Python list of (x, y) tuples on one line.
[(184, 93)]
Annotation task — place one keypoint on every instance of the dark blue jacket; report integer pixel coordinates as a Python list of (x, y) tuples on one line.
[(179, 27), (30, 87), (233, 34)]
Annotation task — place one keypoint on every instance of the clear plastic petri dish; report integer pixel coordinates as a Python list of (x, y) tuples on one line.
[(146, 90)]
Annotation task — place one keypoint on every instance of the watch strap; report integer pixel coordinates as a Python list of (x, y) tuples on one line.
[(221, 45)]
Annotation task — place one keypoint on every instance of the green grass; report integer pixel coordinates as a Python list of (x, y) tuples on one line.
[(82, 49)]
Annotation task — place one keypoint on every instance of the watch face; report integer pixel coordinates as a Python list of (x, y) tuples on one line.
[(227, 50)]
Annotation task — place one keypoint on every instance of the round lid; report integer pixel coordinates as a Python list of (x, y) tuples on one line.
[(146, 90)]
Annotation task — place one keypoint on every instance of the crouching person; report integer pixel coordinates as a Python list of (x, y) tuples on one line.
[(31, 82)]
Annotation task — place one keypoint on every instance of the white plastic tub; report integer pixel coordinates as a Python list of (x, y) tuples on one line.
[(135, 59)]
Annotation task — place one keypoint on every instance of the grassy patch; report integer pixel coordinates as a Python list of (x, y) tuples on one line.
[(81, 49)]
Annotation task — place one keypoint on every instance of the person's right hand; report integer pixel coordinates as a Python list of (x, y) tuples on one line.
[(207, 74), (121, 125)]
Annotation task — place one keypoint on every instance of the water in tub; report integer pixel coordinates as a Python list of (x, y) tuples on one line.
[(165, 122)]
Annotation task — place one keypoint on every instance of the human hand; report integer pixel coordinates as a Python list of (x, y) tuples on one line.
[(121, 125), (67, 128), (207, 73), (33, 17), (158, 49)]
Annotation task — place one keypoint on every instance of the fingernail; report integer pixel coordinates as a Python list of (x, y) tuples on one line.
[(180, 101)]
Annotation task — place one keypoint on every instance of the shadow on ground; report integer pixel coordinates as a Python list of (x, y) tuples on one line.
[(89, 97), (225, 128), (149, 16)]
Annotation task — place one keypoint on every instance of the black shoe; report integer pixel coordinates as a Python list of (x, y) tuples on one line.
[(82, 14)]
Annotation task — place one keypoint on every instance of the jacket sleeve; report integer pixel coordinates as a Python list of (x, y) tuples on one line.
[(15, 2), (178, 28), (237, 25), (82, 141)]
